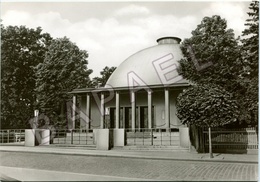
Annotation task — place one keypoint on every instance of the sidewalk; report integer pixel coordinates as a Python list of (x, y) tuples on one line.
[(21, 174), (161, 155)]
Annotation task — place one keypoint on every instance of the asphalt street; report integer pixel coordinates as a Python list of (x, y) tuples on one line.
[(127, 168)]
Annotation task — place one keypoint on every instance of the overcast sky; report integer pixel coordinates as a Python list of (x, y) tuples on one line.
[(112, 31)]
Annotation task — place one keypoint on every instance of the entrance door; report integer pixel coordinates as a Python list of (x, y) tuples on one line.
[(144, 116), (112, 116), (126, 116)]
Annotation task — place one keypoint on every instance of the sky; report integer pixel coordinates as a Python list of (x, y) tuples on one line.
[(111, 31)]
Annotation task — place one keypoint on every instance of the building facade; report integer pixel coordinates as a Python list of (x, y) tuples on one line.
[(141, 92)]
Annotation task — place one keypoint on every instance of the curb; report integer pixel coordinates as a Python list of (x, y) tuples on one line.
[(132, 156)]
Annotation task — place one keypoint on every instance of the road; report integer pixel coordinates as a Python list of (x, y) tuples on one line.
[(126, 168)]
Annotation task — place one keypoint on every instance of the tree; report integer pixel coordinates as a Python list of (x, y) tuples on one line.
[(105, 74), (21, 50), (212, 62), (207, 105), (249, 73), (63, 69), (212, 55)]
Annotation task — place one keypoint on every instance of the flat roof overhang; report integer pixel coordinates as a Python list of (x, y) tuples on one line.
[(176, 86)]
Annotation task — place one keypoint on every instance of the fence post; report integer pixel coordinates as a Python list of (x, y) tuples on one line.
[(86, 136), (65, 138), (80, 131), (72, 136), (171, 137), (152, 136), (20, 138), (58, 136), (161, 135), (210, 144), (8, 133), (134, 139), (143, 137)]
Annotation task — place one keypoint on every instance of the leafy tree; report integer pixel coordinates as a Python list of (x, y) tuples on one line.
[(213, 56), (249, 73), (215, 46), (63, 69), (207, 105), (105, 74), (212, 63), (21, 50)]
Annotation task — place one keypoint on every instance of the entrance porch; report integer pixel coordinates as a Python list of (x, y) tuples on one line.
[(147, 115)]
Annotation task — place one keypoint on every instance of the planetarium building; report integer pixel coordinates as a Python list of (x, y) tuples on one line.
[(140, 94)]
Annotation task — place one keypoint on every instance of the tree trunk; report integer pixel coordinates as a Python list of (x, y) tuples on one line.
[(210, 144)]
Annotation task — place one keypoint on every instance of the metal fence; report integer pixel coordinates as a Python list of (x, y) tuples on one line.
[(154, 136), (232, 139), (73, 137), (12, 136)]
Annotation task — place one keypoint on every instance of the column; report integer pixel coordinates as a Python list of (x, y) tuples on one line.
[(117, 110), (167, 108), (83, 115), (74, 100), (102, 110), (149, 93), (133, 105), (88, 112), (124, 117)]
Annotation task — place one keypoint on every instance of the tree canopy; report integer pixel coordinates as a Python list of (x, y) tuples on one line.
[(22, 49), (105, 74), (64, 68), (214, 45), (207, 105), (213, 56), (250, 58)]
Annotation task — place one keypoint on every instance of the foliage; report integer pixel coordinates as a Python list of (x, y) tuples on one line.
[(21, 50), (249, 73), (212, 42), (105, 74), (63, 69), (207, 105)]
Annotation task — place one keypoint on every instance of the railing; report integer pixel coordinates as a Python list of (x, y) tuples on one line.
[(154, 136), (232, 139), (12, 136), (73, 137)]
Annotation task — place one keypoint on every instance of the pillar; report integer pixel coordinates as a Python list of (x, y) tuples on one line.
[(117, 110), (149, 93), (74, 100), (133, 106), (167, 108), (139, 118), (102, 110), (88, 112), (124, 118)]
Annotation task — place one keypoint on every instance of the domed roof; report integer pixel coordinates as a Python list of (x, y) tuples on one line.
[(151, 66)]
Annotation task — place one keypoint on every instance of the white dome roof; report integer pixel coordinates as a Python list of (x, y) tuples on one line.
[(152, 66)]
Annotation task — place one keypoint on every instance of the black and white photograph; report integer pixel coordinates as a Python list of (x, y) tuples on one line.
[(129, 90)]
